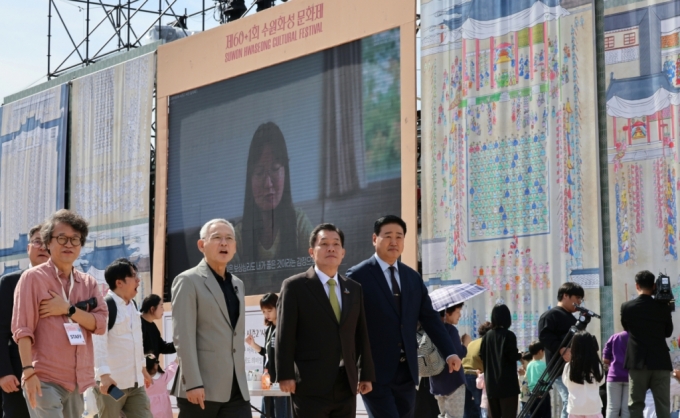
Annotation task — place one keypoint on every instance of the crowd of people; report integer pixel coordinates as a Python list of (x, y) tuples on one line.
[(329, 338), (60, 336)]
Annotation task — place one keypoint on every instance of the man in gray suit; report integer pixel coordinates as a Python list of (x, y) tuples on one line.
[(208, 322)]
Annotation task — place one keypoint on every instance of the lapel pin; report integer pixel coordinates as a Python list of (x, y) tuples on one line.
[(346, 291)]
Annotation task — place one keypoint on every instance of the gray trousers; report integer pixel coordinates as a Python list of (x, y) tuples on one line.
[(617, 399), (453, 404), (135, 403), (56, 402), (659, 382)]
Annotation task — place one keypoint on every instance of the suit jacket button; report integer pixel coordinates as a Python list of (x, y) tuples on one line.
[(234, 350), (399, 345), (234, 333)]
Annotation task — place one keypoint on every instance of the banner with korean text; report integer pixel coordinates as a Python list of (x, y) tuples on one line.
[(32, 169), (110, 165)]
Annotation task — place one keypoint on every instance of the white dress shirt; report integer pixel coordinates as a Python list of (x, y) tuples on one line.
[(386, 271), (324, 281), (120, 351)]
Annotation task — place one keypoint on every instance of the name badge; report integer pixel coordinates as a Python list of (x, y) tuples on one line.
[(74, 334)]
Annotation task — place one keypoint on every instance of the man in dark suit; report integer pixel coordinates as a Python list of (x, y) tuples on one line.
[(13, 402), (648, 360), (396, 300), (322, 352)]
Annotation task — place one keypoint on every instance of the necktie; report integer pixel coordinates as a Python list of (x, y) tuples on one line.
[(335, 304), (396, 291)]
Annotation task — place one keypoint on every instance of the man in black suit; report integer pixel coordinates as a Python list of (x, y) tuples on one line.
[(648, 360), (396, 300), (13, 402), (322, 352)]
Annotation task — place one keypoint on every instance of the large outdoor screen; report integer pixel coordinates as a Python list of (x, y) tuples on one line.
[(282, 149)]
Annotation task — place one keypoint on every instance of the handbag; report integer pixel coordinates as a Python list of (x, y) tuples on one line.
[(430, 361)]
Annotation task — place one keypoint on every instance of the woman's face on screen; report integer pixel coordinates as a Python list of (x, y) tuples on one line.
[(268, 180)]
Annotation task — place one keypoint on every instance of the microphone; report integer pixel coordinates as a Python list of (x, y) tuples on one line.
[(586, 311)]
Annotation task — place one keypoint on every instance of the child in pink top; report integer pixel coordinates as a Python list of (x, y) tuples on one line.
[(158, 391), (484, 404)]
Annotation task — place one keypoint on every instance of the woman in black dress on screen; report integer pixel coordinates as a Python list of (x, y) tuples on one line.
[(152, 310)]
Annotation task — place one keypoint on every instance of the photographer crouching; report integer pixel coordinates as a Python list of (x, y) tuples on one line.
[(649, 323)]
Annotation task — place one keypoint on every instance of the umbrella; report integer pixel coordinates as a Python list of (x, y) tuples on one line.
[(448, 296)]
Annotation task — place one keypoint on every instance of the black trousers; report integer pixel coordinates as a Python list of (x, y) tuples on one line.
[(237, 407), (14, 405), (544, 411), (340, 403), (396, 399), (503, 407), (426, 404)]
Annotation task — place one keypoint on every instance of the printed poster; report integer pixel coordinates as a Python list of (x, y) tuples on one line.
[(509, 163)]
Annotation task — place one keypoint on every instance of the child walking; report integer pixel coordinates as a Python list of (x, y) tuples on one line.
[(158, 391), (449, 388), (534, 371), (583, 376)]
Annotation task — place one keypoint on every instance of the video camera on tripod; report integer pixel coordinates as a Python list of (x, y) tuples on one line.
[(663, 292), (554, 369), (585, 314)]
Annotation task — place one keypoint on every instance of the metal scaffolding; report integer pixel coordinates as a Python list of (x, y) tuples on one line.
[(120, 26)]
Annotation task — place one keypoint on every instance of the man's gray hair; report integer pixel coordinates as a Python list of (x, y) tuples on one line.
[(206, 227)]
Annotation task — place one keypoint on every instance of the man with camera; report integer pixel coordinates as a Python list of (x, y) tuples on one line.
[(649, 323), (120, 365), (554, 325), (50, 325), (13, 402)]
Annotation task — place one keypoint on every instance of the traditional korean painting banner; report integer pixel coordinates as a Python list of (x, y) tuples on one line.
[(110, 164), (32, 161), (642, 56), (509, 154)]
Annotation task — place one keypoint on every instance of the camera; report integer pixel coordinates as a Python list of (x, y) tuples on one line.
[(663, 292), (87, 305)]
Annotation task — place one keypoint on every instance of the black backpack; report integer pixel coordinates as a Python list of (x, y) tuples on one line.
[(113, 309)]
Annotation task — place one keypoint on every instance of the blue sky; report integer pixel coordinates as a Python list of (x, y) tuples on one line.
[(23, 51)]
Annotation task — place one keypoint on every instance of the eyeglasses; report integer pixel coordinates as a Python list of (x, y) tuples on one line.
[(273, 172), (36, 243), (217, 238), (63, 239)]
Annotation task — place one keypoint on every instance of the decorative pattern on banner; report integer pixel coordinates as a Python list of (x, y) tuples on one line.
[(32, 167), (629, 212), (111, 135), (510, 153), (642, 56)]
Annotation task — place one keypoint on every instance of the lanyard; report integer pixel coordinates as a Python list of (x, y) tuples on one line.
[(63, 293)]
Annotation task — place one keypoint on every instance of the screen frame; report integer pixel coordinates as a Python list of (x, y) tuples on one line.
[(199, 60)]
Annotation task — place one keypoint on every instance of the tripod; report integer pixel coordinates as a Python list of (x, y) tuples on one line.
[(554, 368)]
